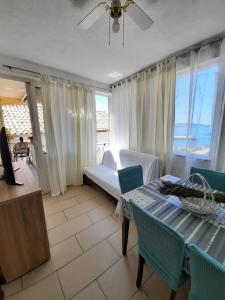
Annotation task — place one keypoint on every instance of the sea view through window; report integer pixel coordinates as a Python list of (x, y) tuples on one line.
[(195, 111)]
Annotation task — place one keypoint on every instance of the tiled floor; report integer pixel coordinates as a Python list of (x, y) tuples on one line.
[(86, 260)]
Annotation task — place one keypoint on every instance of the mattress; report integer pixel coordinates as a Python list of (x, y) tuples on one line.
[(106, 178)]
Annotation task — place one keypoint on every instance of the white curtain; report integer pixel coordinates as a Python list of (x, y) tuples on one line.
[(142, 113), (155, 107), (123, 116), (220, 154), (198, 89), (70, 125)]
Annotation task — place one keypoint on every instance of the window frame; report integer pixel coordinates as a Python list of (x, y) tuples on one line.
[(215, 124), (108, 95)]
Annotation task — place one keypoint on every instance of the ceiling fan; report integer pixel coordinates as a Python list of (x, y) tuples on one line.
[(116, 11)]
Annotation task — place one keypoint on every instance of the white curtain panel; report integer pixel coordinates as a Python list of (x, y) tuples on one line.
[(197, 65), (142, 113), (220, 154), (123, 116), (155, 107), (70, 125)]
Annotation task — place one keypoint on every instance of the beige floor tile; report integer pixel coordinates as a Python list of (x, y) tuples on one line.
[(68, 229), (158, 290), (80, 209), (61, 254), (12, 287), (104, 199), (47, 289), (92, 292), (140, 295), (85, 196), (101, 212), (119, 281), (55, 220), (86, 268), (59, 206), (97, 232), (116, 239), (70, 193)]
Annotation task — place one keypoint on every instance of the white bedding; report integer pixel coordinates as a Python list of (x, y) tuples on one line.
[(105, 175), (150, 163), (106, 178)]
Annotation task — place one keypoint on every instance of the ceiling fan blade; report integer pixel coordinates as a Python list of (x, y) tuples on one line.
[(139, 16), (92, 17)]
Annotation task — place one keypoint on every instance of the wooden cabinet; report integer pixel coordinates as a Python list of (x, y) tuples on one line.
[(23, 235)]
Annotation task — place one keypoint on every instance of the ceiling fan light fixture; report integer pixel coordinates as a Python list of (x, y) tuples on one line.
[(116, 25)]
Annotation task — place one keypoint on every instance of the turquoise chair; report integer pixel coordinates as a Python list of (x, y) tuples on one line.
[(207, 276), (160, 246), (130, 178), (215, 179)]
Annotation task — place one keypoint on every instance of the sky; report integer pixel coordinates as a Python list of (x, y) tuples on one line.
[(204, 99), (101, 103)]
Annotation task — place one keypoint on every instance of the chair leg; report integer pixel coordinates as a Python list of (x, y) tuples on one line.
[(1, 294), (125, 232), (141, 262), (173, 295)]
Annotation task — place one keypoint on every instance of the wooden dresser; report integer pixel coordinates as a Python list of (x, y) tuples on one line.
[(23, 235)]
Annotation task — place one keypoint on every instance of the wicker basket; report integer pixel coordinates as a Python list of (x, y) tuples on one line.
[(202, 206)]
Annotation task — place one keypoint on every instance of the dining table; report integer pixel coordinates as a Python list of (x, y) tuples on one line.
[(205, 231)]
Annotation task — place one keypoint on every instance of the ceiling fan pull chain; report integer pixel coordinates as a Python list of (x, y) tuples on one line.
[(109, 28), (123, 26)]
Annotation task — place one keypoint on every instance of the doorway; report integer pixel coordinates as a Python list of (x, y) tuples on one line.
[(21, 112)]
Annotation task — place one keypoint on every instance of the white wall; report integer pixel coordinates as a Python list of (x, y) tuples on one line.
[(19, 63)]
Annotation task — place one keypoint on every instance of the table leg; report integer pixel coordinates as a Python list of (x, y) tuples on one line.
[(125, 232)]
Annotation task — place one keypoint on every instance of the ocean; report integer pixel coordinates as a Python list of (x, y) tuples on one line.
[(199, 141)]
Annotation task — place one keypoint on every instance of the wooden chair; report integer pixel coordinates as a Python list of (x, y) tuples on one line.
[(21, 150)]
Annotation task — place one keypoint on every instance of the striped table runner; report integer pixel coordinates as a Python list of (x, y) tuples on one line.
[(195, 229)]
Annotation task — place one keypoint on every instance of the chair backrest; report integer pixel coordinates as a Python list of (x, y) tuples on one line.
[(21, 148), (207, 276), (160, 245), (215, 179), (130, 178), (151, 164)]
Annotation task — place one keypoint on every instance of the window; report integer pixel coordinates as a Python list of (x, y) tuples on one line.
[(102, 124), (194, 122)]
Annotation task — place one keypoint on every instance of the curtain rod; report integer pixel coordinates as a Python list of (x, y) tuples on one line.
[(38, 73), (211, 40)]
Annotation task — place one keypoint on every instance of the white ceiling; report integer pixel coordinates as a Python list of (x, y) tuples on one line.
[(45, 32), (12, 89)]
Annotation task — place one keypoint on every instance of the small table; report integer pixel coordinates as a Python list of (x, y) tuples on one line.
[(204, 232)]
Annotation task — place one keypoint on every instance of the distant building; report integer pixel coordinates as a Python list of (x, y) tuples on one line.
[(17, 120)]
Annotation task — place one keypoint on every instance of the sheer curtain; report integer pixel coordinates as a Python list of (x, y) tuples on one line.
[(142, 113), (197, 92), (123, 116), (70, 125), (155, 111), (220, 154)]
